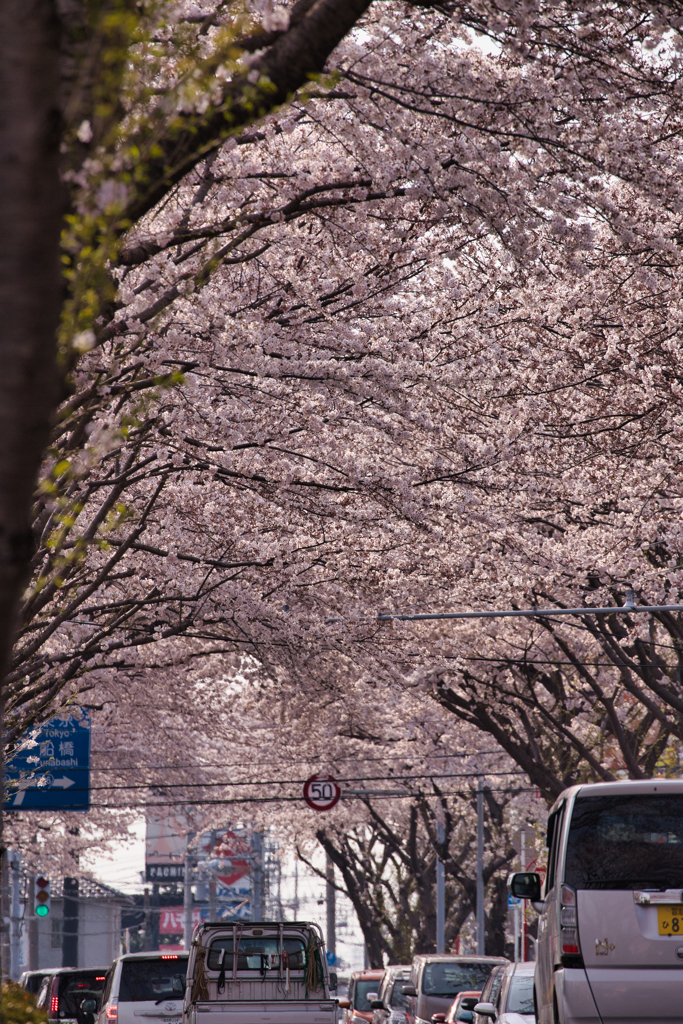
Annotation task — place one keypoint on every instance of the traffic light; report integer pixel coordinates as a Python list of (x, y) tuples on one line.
[(41, 899)]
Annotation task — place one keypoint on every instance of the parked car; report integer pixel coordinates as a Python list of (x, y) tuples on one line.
[(150, 986), (513, 1000), (490, 992), (390, 1005), (357, 1006), (610, 912), (436, 980), (462, 1008), (72, 995), (32, 980)]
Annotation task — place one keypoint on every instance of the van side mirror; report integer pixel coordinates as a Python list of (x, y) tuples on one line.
[(486, 1009), (409, 990), (333, 980), (376, 1004), (525, 885)]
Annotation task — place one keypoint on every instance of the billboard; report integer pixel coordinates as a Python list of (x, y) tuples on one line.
[(165, 846), (227, 854), (222, 855), (172, 919)]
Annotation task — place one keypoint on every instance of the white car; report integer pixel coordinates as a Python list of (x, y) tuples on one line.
[(510, 997), (144, 988)]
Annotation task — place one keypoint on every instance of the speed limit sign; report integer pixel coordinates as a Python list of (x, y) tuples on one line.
[(321, 792)]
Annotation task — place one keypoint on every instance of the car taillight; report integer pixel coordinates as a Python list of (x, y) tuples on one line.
[(569, 929), (112, 1013), (54, 1004)]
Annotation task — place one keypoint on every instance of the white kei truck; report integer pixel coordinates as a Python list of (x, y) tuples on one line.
[(259, 973)]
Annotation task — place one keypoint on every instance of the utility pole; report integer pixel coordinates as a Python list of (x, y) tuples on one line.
[(14, 859), (522, 860), (154, 919), (70, 929), (147, 944), (257, 876), (187, 900), (212, 878), (295, 904), (481, 916), (4, 915), (32, 925), (331, 908), (440, 891)]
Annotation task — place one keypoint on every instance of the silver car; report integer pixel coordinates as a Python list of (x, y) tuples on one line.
[(610, 931), (390, 1005), (510, 999)]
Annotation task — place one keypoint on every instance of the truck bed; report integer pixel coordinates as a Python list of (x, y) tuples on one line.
[(226, 1011)]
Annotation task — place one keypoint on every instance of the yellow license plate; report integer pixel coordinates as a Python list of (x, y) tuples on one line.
[(670, 920)]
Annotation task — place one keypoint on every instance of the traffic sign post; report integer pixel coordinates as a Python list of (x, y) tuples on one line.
[(321, 792), (51, 769)]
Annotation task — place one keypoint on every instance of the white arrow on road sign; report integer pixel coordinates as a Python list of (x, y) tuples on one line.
[(63, 783)]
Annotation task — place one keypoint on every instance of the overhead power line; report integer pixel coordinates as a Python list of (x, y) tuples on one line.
[(287, 782), (288, 760), (357, 795), (628, 608)]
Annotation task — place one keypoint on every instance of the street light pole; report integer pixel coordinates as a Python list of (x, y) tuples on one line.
[(440, 892), (481, 919), (331, 908)]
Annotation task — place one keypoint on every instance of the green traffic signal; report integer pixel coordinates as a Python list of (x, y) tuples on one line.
[(41, 903)]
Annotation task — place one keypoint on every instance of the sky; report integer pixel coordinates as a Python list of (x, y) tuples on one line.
[(124, 870)]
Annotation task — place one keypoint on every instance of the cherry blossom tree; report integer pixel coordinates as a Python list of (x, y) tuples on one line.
[(408, 344)]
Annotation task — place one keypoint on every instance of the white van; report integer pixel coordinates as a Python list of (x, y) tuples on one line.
[(610, 931), (144, 988)]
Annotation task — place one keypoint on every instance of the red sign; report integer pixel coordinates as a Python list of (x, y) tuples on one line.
[(321, 792), (172, 920)]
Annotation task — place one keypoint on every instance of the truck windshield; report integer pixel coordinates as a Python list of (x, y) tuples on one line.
[(257, 954), (144, 981), (626, 842), (447, 979)]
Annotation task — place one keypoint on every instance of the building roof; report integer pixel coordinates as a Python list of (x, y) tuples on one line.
[(90, 889)]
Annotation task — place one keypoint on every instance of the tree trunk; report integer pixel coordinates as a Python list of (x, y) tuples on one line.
[(30, 290)]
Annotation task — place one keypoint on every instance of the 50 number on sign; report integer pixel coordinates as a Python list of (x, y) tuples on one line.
[(670, 920), (321, 792)]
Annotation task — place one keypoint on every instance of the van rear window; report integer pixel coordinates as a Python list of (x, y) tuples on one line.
[(626, 842), (257, 954), (145, 981), (74, 988)]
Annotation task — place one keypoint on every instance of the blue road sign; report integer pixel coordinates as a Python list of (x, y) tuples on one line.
[(51, 769), (331, 958), (513, 901)]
